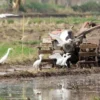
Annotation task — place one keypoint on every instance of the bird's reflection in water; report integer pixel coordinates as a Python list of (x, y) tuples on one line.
[(61, 93), (38, 94)]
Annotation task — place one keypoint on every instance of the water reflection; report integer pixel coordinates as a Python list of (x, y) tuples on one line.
[(46, 89)]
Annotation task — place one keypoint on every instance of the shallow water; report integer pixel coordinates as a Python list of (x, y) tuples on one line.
[(77, 87)]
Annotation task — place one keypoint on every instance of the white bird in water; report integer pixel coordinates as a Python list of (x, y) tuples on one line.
[(37, 63), (4, 58), (7, 15)]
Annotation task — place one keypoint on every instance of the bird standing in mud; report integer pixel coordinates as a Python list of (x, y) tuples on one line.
[(37, 63), (60, 60), (4, 58), (65, 59)]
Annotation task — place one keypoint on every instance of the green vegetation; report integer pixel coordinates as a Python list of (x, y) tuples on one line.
[(96, 98), (31, 42), (68, 20), (90, 6), (19, 54), (2, 98), (30, 6), (40, 7)]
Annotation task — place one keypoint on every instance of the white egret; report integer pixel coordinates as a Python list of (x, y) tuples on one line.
[(61, 60), (58, 57), (4, 58), (37, 63), (63, 38), (65, 58), (7, 15)]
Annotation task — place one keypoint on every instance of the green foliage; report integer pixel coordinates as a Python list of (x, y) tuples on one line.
[(31, 42), (2, 98), (10, 21), (68, 20), (88, 7), (19, 53), (22, 8), (40, 7), (96, 98)]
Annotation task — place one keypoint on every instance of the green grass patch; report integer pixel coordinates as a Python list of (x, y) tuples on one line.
[(10, 21), (41, 7), (2, 98), (20, 52), (68, 20), (90, 6), (30, 42), (96, 98)]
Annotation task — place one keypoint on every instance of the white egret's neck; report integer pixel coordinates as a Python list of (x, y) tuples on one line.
[(40, 57), (8, 51)]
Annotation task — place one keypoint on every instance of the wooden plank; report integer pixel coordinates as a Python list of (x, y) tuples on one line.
[(58, 51), (87, 54), (45, 51), (43, 45), (47, 40), (88, 45), (93, 40), (47, 48), (87, 62)]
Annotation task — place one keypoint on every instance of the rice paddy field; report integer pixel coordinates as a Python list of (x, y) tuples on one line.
[(18, 76)]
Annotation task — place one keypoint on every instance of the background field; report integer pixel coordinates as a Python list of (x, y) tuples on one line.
[(23, 34)]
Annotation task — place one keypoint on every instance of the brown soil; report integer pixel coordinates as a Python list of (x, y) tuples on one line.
[(20, 71)]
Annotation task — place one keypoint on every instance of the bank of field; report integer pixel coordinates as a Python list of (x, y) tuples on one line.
[(23, 35)]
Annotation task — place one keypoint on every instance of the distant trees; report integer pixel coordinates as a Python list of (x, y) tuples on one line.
[(52, 5), (87, 7)]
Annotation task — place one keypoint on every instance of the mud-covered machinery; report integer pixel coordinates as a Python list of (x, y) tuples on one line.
[(87, 56), (46, 48)]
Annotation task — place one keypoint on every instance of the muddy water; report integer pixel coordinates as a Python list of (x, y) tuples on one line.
[(79, 87)]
